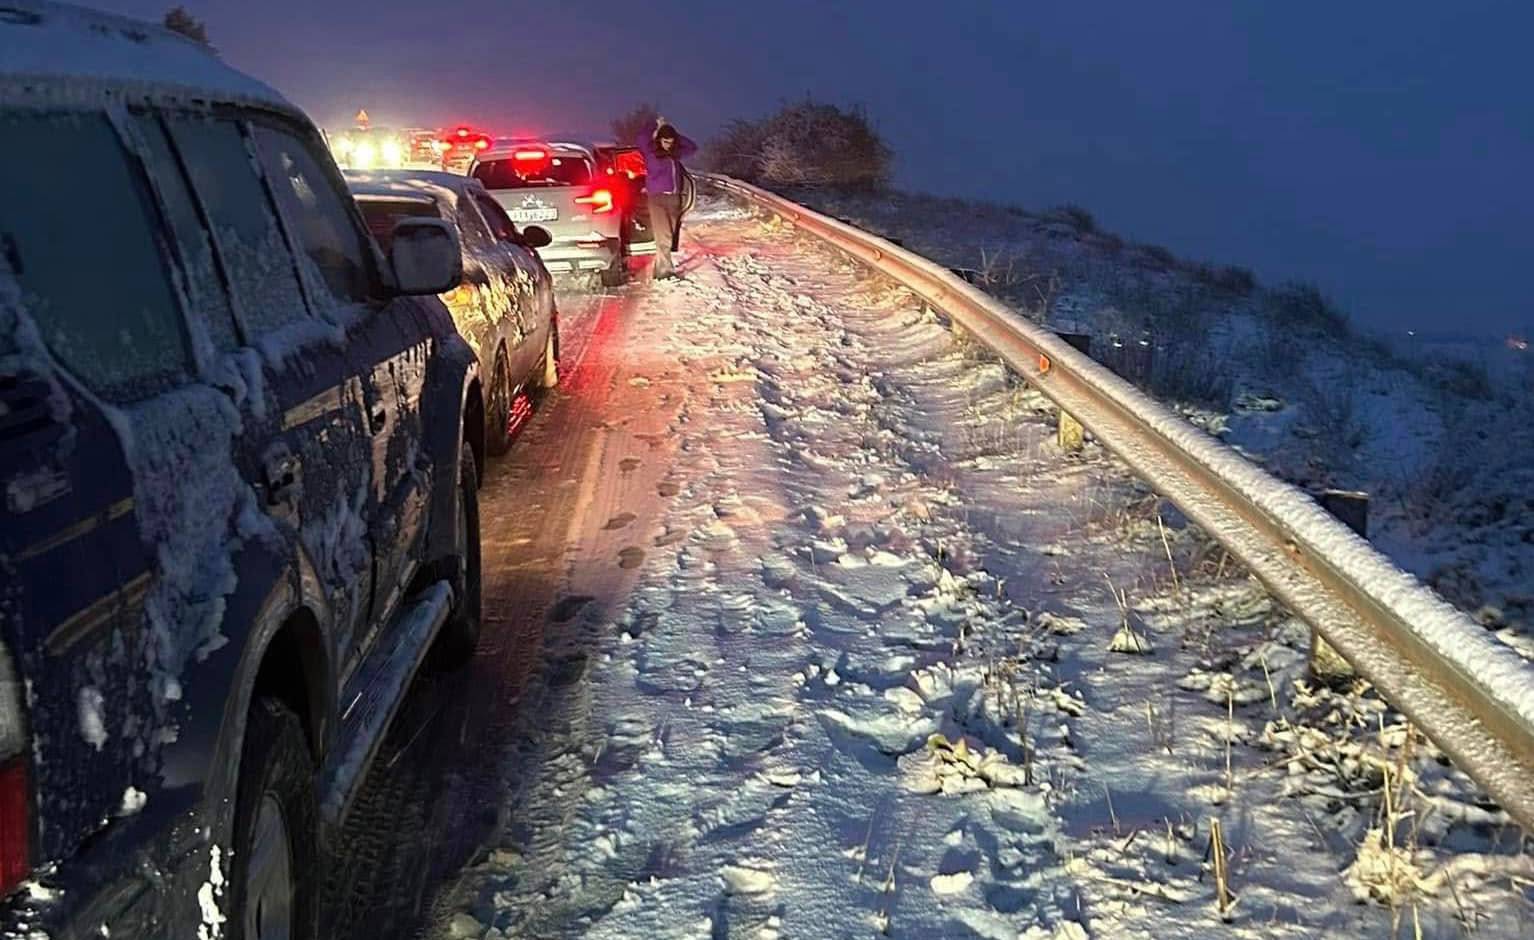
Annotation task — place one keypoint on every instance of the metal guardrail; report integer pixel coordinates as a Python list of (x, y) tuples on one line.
[(1472, 696)]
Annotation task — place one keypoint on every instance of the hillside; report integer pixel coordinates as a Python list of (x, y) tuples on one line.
[(1441, 436)]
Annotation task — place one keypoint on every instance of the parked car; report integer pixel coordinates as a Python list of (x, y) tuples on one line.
[(505, 305), (624, 165), (239, 455), (557, 184), (423, 149), (459, 146), (370, 148)]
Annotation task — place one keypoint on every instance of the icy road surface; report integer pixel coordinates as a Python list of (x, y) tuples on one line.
[(800, 624)]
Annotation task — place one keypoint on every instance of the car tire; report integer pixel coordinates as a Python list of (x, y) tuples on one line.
[(548, 372), (498, 408), (276, 831), (460, 635)]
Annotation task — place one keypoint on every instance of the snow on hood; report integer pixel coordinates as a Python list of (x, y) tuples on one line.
[(84, 47)]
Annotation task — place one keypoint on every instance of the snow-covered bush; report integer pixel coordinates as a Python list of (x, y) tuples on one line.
[(806, 144)]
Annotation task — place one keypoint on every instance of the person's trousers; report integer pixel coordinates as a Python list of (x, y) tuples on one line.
[(665, 222)]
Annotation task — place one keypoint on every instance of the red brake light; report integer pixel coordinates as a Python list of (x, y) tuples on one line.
[(463, 132), (530, 155), (601, 200), (482, 143), (15, 825)]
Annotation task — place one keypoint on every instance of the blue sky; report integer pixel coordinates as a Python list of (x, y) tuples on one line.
[(1380, 150)]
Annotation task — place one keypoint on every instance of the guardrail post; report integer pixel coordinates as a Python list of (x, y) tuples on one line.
[(1352, 509), (1070, 434)]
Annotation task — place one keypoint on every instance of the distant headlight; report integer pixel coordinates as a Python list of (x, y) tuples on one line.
[(364, 155), (392, 152)]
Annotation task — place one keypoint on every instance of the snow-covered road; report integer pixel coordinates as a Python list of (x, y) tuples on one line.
[(800, 624)]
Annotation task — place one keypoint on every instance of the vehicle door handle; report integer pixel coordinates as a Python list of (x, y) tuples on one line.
[(378, 418)]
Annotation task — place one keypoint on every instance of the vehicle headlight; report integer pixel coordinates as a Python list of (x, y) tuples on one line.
[(363, 155), (393, 152)]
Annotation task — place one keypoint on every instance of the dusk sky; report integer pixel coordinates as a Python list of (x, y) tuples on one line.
[(1381, 150)]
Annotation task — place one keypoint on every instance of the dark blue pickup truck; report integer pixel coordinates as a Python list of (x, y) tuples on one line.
[(239, 455)]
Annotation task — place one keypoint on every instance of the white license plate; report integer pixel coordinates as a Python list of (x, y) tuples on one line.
[(533, 215)]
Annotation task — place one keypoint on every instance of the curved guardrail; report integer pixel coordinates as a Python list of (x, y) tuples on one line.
[(1472, 696)]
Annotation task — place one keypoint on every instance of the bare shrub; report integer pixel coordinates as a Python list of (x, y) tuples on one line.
[(1075, 216), (1156, 257), (178, 20), (1191, 373), (1460, 378), (1108, 242), (1332, 413), (805, 144), (1304, 306), (1230, 278), (640, 118)]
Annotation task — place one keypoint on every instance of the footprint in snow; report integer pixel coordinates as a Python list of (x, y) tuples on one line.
[(668, 489), (619, 521), (670, 537), (629, 464), (565, 609), (631, 557)]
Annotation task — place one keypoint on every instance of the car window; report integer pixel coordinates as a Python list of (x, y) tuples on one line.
[(204, 285), (475, 232), (261, 269), (628, 162), (80, 232), (562, 170), (317, 214), (381, 215), (500, 223)]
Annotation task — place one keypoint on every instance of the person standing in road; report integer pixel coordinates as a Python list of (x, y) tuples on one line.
[(664, 149)]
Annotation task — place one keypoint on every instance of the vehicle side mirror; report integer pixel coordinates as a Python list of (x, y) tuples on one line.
[(426, 256), (536, 236)]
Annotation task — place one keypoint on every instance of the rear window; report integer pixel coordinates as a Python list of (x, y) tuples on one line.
[(561, 170), (81, 235), (382, 215)]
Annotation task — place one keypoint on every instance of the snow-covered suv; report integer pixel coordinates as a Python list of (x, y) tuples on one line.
[(238, 472)]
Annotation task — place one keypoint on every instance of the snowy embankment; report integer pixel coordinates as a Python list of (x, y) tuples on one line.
[(1443, 444), (896, 665)]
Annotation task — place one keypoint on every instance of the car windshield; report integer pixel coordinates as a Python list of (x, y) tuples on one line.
[(558, 170), (382, 215)]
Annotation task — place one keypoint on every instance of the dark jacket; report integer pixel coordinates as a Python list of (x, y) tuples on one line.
[(663, 170)]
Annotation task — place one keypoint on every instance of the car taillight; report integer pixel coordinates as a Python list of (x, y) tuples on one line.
[(600, 200), (482, 143), (530, 156), (15, 803), (15, 825)]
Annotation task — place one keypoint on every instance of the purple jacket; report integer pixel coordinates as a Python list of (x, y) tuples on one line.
[(662, 170)]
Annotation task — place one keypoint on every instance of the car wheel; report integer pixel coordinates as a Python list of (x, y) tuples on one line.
[(549, 376), (617, 273), (276, 831), (460, 635), (498, 411)]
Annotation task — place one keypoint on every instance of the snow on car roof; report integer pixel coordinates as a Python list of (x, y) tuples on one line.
[(403, 184), (71, 48)]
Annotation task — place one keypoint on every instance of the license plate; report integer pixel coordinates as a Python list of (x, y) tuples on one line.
[(533, 215)]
